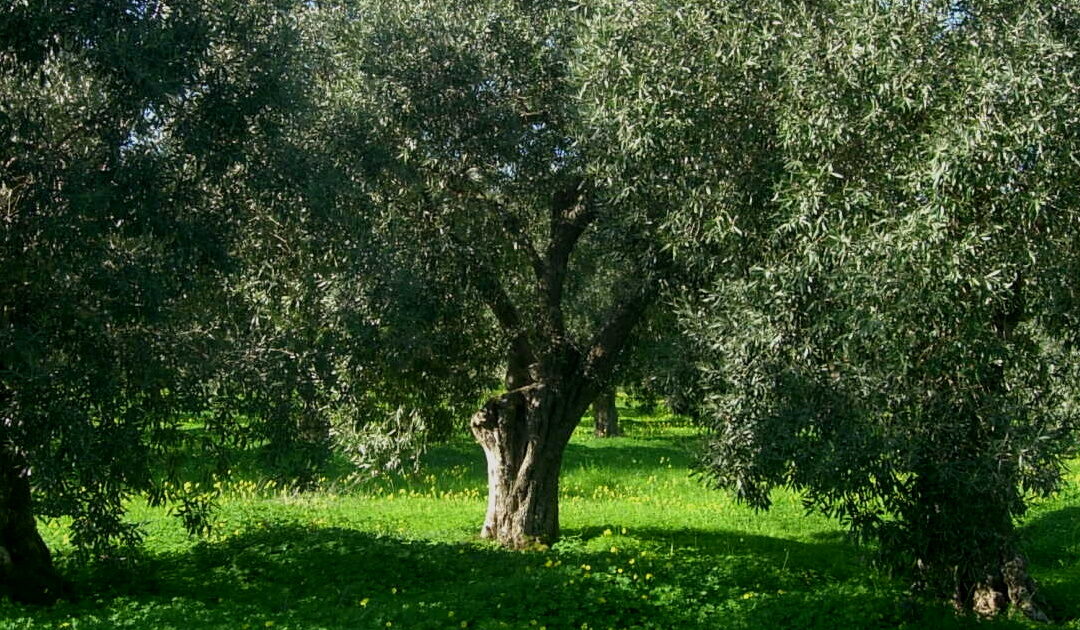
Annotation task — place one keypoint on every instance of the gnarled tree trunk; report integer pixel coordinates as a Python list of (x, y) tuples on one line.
[(551, 378), (26, 571), (606, 415), (524, 433)]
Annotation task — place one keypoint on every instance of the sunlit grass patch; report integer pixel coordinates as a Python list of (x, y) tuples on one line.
[(645, 545)]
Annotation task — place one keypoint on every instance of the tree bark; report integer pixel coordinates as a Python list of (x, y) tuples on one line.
[(524, 433), (606, 415), (550, 380), (26, 570), (1009, 585)]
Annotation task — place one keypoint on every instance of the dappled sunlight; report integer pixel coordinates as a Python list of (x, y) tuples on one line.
[(281, 573), (644, 545)]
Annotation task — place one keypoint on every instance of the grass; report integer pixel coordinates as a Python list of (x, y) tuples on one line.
[(645, 545)]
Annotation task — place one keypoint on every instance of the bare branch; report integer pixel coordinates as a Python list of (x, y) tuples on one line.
[(609, 341), (572, 211), (494, 295)]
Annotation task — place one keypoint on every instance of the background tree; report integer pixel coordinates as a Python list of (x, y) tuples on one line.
[(889, 353), (606, 414), (659, 368), (122, 125)]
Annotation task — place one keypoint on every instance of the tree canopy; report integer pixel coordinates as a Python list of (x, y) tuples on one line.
[(119, 123), (893, 353), (337, 224)]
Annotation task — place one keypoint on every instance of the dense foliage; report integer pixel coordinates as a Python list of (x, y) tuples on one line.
[(122, 124), (892, 352), (328, 334), (346, 224), (484, 182)]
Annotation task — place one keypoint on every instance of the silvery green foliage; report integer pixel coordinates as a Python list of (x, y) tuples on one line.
[(334, 314), (892, 348), (875, 205), (390, 443), (119, 122), (461, 125)]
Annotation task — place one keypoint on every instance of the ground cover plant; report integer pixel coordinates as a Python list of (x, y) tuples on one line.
[(646, 545)]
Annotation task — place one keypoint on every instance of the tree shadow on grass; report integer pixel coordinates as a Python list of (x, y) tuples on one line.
[(782, 583), (625, 458), (283, 574), (295, 576), (789, 562), (1052, 545)]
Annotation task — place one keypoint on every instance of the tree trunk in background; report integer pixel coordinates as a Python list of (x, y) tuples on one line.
[(606, 415), (313, 427), (524, 433), (26, 571), (1010, 584)]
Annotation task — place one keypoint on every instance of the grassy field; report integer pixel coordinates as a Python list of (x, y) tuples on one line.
[(645, 546)]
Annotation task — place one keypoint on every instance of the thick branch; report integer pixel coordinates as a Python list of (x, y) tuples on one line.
[(571, 214), (521, 352), (495, 297), (600, 359), (502, 307)]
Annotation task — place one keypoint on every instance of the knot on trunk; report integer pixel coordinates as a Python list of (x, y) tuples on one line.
[(487, 418), (500, 410)]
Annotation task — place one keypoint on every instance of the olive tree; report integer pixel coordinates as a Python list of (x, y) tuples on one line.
[(484, 174), (123, 127), (528, 159), (895, 351)]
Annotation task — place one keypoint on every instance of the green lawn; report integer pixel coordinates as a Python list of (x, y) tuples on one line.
[(645, 546)]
